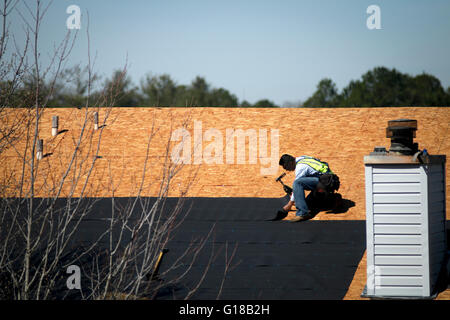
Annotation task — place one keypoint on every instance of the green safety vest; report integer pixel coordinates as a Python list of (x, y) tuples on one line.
[(316, 164)]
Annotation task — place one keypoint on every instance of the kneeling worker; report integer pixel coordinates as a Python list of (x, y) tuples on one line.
[(307, 172)]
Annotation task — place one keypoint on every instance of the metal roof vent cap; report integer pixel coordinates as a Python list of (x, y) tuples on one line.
[(402, 132)]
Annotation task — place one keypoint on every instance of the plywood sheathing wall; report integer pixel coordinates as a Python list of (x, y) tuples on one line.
[(339, 136)]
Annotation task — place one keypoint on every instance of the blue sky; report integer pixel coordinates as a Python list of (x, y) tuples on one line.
[(278, 50)]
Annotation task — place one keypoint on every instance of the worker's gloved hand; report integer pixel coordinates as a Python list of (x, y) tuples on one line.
[(287, 189)]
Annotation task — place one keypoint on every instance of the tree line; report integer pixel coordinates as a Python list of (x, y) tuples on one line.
[(382, 87), (71, 90), (379, 87)]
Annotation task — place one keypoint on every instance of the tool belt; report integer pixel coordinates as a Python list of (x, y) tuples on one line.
[(328, 182)]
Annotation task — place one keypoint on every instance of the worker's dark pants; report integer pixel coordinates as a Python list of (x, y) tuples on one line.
[(300, 185)]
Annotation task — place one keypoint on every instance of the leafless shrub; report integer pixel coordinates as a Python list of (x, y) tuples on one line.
[(38, 233), (44, 203)]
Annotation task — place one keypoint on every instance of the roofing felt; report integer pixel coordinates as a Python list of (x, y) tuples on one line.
[(244, 255), (264, 259), (273, 260)]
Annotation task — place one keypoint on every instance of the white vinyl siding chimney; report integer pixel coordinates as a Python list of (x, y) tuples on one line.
[(405, 225)]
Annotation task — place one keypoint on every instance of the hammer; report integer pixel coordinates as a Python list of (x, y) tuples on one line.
[(286, 188), (154, 275)]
